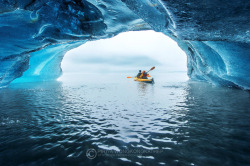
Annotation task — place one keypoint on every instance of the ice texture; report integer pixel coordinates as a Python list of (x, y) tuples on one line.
[(35, 34), (45, 63)]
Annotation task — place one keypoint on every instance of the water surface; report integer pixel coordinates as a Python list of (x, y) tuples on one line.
[(107, 119)]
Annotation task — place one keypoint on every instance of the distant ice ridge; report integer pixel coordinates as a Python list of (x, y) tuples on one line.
[(34, 35)]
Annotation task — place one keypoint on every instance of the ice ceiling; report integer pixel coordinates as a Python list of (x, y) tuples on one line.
[(35, 34)]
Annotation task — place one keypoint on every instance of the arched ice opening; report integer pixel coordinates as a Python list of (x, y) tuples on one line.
[(126, 53)]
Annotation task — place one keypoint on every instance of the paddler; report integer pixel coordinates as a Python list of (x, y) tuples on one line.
[(144, 75), (139, 74)]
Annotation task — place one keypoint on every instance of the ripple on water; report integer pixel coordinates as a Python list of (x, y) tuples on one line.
[(189, 124)]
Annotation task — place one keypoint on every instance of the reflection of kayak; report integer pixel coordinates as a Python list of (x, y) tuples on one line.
[(144, 80)]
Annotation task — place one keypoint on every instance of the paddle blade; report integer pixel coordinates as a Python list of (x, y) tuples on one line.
[(129, 77), (152, 68), (149, 76)]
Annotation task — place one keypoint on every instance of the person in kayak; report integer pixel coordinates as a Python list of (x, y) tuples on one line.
[(144, 75), (139, 74)]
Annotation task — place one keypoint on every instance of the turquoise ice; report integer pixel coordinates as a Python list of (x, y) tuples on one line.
[(35, 35)]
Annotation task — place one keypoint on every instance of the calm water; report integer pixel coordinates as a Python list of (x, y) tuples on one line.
[(99, 120)]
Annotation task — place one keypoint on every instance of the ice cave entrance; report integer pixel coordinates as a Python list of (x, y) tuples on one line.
[(126, 53)]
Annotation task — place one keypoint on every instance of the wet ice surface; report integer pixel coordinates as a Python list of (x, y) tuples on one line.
[(171, 122)]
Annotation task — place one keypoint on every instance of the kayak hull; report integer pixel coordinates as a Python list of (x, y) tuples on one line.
[(144, 80)]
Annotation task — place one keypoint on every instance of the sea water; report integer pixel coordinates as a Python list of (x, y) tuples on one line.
[(108, 119)]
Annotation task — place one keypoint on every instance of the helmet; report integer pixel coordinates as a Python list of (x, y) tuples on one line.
[(139, 71), (143, 71)]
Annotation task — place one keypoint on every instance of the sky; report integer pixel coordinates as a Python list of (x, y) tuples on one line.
[(128, 51)]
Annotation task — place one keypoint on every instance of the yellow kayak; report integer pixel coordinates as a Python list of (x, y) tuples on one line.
[(144, 80)]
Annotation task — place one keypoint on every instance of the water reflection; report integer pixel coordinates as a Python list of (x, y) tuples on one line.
[(144, 89), (218, 123)]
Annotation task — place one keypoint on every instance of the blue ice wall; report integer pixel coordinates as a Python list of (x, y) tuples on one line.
[(218, 62), (45, 63), (34, 35), (27, 27)]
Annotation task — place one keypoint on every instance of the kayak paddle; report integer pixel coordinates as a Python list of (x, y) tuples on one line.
[(151, 69)]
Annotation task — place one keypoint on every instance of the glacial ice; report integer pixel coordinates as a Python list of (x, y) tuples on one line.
[(45, 63), (34, 35)]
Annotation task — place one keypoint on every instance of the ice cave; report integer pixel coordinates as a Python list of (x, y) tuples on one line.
[(35, 35)]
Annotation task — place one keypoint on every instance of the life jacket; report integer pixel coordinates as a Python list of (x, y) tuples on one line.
[(144, 75)]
